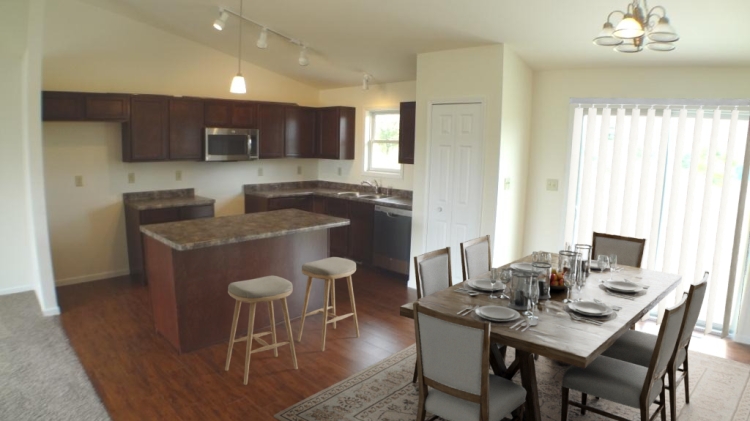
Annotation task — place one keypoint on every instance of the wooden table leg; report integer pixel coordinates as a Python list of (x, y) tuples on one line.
[(497, 359), (528, 380)]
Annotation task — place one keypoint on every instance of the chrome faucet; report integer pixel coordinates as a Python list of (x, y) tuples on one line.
[(374, 184)]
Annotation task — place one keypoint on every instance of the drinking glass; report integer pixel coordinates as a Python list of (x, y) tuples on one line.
[(543, 272), (520, 286), (533, 295), (581, 277), (494, 274), (603, 260), (568, 265), (585, 251), (613, 263), (505, 276)]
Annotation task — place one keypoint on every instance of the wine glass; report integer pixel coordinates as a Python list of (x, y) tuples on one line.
[(568, 267), (533, 298), (505, 276), (494, 274), (613, 263), (603, 261)]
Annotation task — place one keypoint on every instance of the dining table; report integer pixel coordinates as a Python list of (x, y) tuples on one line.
[(557, 336)]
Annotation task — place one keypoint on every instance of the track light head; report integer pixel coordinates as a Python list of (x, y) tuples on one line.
[(303, 61), (221, 21), (263, 39), (365, 82)]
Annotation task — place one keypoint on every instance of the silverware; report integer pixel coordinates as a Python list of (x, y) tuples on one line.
[(626, 297), (466, 291), (585, 320), (517, 323), (521, 325), (615, 308), (467, 311), (528, 325), (462, 310)]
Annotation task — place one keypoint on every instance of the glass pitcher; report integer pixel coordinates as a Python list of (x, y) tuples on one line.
[(585, 251), (543, 272), (568, 264), (519, 296)]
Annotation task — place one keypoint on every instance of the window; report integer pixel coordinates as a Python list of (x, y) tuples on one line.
[(381, 137)]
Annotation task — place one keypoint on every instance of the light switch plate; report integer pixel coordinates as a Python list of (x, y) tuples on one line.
[(339, 170), (79, 181), (551, 184), (178, 175), (131, 177), (260, 171), (299, 169), (507, 184)]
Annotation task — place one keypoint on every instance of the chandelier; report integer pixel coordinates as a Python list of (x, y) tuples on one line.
[(639, 25)]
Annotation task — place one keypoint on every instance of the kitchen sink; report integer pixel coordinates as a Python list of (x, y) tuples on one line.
[(373, 196), (362, 195), (348, 193)]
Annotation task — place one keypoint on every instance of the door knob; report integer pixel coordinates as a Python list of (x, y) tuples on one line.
[(439, 209)]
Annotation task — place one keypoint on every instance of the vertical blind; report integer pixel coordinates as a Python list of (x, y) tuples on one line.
[(668, 173)]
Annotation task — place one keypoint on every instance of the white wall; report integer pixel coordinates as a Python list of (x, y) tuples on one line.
[(385, 96), (465, 74), (515, 141), (90, 49), (550, 129)]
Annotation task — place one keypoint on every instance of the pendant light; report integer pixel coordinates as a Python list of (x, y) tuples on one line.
[(238, 83)]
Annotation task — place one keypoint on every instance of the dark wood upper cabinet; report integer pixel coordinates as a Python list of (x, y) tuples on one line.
[(107, 107), (336, 132), (63, 106), (146, 136), (218, 113), (186, 128), (271, 123), (406, 136), (245, 115), (239, 114), (299, 133)]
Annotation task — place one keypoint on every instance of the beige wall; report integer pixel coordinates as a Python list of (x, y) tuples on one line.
[(378, 97), (550, 129), (90, 49), (515, 140), (465, 74)]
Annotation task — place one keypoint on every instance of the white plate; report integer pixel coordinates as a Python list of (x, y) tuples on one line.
[(528, 267), (497, 313), (623, 285), (590, 308), (485, 285)]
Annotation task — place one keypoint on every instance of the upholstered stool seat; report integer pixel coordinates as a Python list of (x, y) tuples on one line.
[(332, 266), (266, 289), (267, 286), (329, 270)]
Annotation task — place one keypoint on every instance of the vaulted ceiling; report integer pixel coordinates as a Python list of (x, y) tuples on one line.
[(383, 37)]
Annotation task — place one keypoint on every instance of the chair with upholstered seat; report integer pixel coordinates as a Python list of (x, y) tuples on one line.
[(454, 379), (476, 257), (629, 250), (626, 383), (329, 270), (637, 347), (266, 289)]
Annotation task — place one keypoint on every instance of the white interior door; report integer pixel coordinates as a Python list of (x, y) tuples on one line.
[(455, 192)]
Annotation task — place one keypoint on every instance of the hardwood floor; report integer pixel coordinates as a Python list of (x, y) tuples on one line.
[(139, 376)]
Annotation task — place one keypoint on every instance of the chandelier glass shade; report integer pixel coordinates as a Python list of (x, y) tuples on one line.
[(638, 27)]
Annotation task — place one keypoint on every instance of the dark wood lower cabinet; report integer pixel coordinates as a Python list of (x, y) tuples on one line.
[(339, 236), (361, 216), (134, 218)]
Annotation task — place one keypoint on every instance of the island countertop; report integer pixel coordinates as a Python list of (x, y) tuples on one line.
[(208, 232)]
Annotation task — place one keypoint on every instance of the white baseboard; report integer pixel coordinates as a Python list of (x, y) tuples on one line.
[(93, 277), (745, 339), (16, 290), (52, 311)]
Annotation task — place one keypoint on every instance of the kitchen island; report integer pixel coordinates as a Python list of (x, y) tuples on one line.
[(190, 264)]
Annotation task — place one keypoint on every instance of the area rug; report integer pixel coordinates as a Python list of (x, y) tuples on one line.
[(384, 392)]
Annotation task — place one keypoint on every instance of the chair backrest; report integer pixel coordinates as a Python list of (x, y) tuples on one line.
[(692, 311), (433, 271), (629, 250), (666, 345), (476, 257), (453, 355)]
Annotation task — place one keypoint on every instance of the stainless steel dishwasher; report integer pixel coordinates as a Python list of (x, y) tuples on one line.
[(392, 240)]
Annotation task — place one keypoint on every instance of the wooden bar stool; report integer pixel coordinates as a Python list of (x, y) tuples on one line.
[(329, 270), (266, 289)]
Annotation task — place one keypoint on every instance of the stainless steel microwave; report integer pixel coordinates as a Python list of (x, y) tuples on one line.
[(231, 144)]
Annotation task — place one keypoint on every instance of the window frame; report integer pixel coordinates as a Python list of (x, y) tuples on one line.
[(370, 142)]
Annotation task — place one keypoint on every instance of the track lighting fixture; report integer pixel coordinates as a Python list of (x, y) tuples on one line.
[(263, 39), (238, 83), (365, 82), (303, 61), (221, 20)]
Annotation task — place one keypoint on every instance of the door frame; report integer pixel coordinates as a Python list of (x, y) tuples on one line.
[(428, 155)]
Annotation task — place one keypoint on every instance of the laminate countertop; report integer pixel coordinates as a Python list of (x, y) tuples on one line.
[(391, 201), (169, 202), (210, 232)]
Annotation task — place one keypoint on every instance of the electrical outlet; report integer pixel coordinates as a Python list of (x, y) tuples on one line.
[(507, 184), (79, 181), (339, 170), (260, 171), (178, 175), (131, 177), (299, 169), (551, 184)]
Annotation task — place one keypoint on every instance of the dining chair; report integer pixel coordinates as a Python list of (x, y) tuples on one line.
[(476, 257), (629, 250), (637, 347), (454, 380), (626, 383)]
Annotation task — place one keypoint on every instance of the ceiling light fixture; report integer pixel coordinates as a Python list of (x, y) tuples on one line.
[(303, 61), (238, 83), (221, 20), (263, 39), (636, 27), (365, 82)]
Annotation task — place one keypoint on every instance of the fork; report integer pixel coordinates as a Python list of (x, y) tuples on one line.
[(467, 311), (626, 297), (585, 320)]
